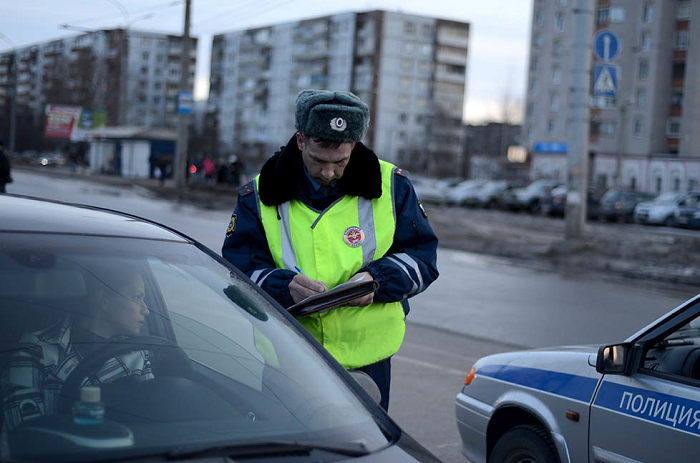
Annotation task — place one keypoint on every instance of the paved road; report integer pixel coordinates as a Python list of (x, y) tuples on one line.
[(479, 305)]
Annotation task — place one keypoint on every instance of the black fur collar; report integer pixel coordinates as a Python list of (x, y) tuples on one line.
[(280, 176)]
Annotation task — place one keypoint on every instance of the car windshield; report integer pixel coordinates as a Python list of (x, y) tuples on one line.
[(667, 197), (184, 353)]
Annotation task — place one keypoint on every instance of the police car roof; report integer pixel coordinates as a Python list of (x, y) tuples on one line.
[(35, 215)]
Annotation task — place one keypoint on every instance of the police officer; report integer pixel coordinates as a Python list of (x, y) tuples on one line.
[(325, 210)]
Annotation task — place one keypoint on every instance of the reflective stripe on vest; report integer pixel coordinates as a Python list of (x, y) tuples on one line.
[(327, 247)]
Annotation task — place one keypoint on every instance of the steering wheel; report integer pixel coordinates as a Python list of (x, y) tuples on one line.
[(169, 359)]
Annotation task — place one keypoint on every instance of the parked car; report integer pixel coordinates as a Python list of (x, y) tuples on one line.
[(687, 217), (432, 190), (637, 400), (122, 339), (554, 202), (487, 195), (660, 210), (458, 193), (619, 204), (530, 197)]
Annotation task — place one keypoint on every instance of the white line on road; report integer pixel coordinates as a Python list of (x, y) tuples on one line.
[(452, 371)]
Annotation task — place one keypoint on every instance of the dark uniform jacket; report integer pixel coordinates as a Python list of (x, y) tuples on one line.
[(283, 178)]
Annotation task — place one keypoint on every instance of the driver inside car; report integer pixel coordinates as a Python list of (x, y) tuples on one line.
[(115, 310)]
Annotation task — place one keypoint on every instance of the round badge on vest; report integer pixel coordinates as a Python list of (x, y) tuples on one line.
[(354, 236)]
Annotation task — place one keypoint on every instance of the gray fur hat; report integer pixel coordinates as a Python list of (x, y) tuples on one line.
[(334, 116)]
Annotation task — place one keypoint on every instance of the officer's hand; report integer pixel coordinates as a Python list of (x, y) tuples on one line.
[(364, 300), (302, 287)]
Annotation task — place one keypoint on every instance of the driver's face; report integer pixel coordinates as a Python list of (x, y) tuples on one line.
[(127, 309)]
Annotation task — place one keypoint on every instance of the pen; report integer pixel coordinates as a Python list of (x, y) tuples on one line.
[(298, 269)]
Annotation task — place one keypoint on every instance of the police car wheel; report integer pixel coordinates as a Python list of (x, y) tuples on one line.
[(524, 444)]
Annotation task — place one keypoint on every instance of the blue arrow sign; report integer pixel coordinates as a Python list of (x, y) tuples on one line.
[(606, 46), (605, 78), (184, 102)]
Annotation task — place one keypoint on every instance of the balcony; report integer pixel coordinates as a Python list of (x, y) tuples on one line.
[(451, 77), (452, 40), (451, 57)]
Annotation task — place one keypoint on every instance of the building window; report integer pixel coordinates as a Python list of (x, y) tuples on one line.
[(422, 85), (403, 100), (533, 86), (682, 40), (648, 13), (643, 71), (556, 75), (559, 23), (562, 2), (633, 183), (403, 117), (673, 128), (603, 15), (678, 71), (551, 127), (677, 98), (537, 40), (556, 49), (421, 103), (424, 66), (405, 83), (683, 11), (539, 18), (658, 184), (617, 14), (691, 184), (145, 55), (534, 64), (646, 41), (554, 102), (144, 69), (157, 85), (425, 49), (641, 98), (156, 99), (408, 48), (638, 128), (409, 28), (427, 30), (676, 183), (607, 127), (406, 64)]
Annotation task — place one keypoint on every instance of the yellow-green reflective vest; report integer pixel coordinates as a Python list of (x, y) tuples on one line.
[(328, 247)]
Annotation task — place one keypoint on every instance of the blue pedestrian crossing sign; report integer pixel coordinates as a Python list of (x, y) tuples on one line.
[(606, 46), (605, 77)]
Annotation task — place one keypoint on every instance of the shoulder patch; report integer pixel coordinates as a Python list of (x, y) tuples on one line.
[(246, 189), (231, 225), (401, 172)]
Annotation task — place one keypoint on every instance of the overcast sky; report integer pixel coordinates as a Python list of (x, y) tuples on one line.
[(495, 65)]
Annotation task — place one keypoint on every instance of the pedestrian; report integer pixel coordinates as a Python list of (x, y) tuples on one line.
[(5, 168), (325, 210)]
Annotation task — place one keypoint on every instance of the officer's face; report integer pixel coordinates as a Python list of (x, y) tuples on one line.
[(325, 165)]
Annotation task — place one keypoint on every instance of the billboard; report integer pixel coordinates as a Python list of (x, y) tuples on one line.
[(71, 122)]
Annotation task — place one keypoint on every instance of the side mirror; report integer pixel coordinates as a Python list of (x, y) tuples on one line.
[(614, 359), (367, 383)]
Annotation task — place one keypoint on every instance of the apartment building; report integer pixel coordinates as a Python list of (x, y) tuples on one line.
[(410, 70), (644, 113), (133, 75)]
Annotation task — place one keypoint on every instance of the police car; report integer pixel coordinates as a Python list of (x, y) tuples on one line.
[(637, 400)]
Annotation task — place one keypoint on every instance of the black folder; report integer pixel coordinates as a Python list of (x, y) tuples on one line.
[(333, 298)]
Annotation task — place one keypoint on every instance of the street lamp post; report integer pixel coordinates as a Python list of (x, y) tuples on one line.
[(183, 119)]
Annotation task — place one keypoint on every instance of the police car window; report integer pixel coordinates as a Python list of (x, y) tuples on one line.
[(678, 353)]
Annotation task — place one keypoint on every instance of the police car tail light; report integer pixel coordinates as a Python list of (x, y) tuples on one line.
[(470, 377)]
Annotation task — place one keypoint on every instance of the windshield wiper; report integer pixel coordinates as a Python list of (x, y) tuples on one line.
[(266, 448)]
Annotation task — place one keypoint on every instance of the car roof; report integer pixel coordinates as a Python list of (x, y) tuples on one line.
[(35, 215)]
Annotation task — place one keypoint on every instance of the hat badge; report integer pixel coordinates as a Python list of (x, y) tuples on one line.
[(354, 236), (339, 124)]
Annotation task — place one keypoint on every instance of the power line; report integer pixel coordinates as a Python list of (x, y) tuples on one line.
[(265, 8), (152, 8)]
